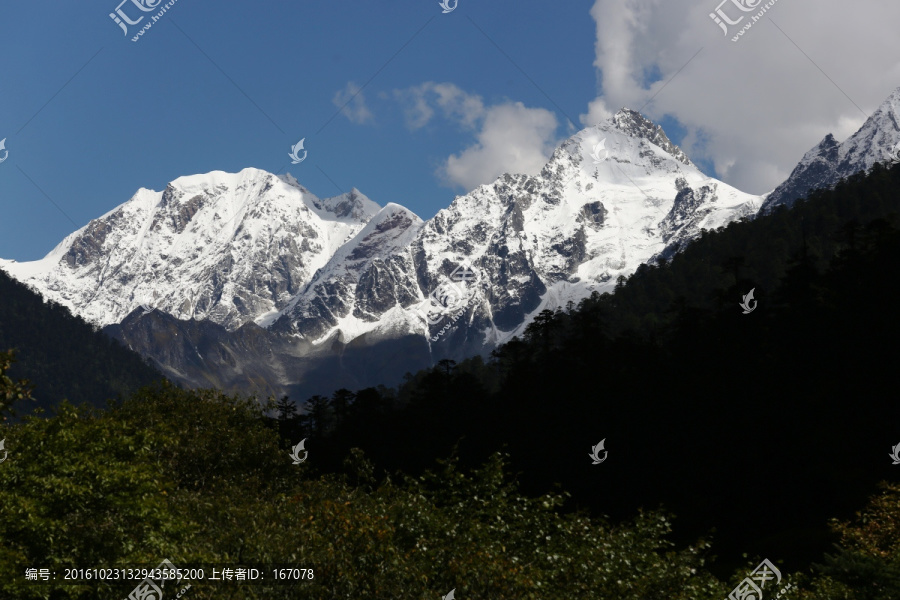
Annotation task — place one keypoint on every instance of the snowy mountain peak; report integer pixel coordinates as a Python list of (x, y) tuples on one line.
[(637, 125), (892, 101), (392, 228), (292, 181), (353, 205), (226, 247), (216, 182), (392, 208), (828, 143), (829, 161)]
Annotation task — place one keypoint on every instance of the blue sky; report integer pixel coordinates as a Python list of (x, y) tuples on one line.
[(90, 116)]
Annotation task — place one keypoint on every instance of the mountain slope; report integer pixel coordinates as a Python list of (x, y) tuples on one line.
[(229, 248), (877, 141), (365, 278), (62, 355)]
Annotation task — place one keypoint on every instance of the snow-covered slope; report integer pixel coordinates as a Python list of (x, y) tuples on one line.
[(610, 198), (366, 277), (328, 275), (230, 248), (877, 141)]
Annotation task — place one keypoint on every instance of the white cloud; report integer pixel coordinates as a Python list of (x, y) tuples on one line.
[(756, 106), (509, 137), (456, 104), (597, 112), (513, 139), (353, 103)]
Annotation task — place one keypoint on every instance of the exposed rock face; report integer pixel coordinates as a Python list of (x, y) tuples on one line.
[(593, 214), (637, 125)]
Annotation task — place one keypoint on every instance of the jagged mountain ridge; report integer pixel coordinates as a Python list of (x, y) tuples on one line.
[(877, 141), (536, 242), (541, 241), (230, 248), (256, 249), (365, 278)]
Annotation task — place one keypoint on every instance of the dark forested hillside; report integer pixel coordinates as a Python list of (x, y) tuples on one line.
[(758, 425), (61, 354)]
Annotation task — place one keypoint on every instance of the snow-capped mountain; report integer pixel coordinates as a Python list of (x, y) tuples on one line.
[(877, 141), (230, 248), (610, 198), (259, 256)]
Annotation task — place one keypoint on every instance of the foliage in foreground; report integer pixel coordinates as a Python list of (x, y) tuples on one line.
[(198, 477), (203, 479), (11, 391), (866, 564)]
